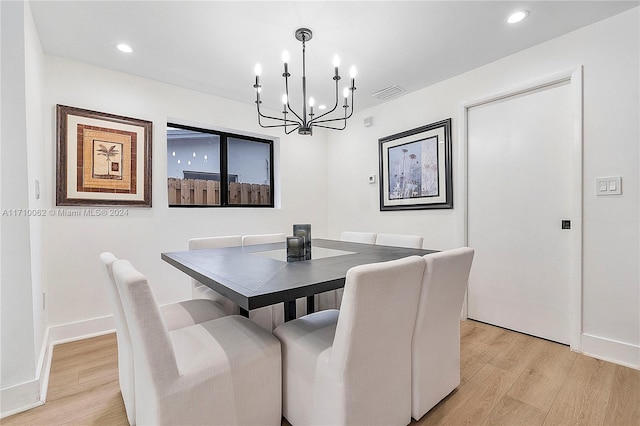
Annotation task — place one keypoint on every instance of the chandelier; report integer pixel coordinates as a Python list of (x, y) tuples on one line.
[(304, 122)]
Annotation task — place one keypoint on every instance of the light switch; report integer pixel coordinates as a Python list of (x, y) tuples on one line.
[(609, 185), (372, 178)]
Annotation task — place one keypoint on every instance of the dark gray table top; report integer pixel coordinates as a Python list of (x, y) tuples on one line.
[(253, 277)]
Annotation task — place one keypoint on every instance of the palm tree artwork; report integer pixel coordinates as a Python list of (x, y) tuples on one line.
[(108, 153)]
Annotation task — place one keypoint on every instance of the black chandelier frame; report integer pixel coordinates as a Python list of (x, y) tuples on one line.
[(304, 122)]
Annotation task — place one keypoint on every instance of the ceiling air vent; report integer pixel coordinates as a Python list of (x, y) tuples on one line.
[(389, 92)]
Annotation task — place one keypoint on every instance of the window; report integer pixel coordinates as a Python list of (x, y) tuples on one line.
[(200, 162)]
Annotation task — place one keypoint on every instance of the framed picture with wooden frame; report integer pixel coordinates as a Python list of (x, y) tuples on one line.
[(102, 159), (415, 168)]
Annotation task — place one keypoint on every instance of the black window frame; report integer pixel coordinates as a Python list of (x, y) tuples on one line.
[(224, 194)]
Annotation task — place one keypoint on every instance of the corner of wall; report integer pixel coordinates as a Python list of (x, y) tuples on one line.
[(31, 394)]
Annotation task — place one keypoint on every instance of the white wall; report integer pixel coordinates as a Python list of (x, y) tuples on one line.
[(34, 91), (23, 321), (609, 52), (76, 290)]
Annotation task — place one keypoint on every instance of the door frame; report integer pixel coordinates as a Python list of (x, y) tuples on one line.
[(574, 77)]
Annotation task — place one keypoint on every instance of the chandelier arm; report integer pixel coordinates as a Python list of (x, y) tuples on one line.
[(344, 122), (272, 126), (335, 105), (286, 122), (294, 113), (344, 119), (331, 127), (329, 120)]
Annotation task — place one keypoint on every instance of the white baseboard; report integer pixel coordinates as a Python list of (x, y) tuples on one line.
[(33, 393), (610, 350), (18, 398), (81, 330)]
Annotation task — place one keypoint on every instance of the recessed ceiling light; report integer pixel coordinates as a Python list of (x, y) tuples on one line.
[(518, 16), (125, 48)]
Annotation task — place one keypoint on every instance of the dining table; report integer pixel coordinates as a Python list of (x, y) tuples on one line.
[(261, 275)]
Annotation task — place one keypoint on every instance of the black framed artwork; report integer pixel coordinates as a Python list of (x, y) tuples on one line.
[(415, 168)]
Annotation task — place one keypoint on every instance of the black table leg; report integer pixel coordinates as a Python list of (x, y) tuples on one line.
[(311, 304), (289, 310), (244, 312)]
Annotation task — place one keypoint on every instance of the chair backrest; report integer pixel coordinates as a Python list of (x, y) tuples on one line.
[(359, 237), (397, 240), (210, 243), (436, 337), (372, 343), (125, 351), (154, 358), (251, 240), (215, 242)]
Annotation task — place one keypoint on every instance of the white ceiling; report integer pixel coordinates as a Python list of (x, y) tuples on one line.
[(212, 46)]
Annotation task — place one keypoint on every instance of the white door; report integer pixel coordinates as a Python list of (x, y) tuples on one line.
[(519, 192)]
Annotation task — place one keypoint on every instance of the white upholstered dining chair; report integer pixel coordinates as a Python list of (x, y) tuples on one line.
[(175, 315), (252, 240), (332, 299), (269, 317), (201, 291), (399, 240), (435, 352), (353, 366), (358, 237), (226, 371)]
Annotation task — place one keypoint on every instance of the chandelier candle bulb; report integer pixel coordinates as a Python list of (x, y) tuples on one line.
[(352, 74), (285, 59), (258, 70)]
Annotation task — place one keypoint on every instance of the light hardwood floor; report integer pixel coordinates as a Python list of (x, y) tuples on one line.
[(507, 379)]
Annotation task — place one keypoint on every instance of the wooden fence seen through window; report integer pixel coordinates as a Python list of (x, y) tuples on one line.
[(207, 193)]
